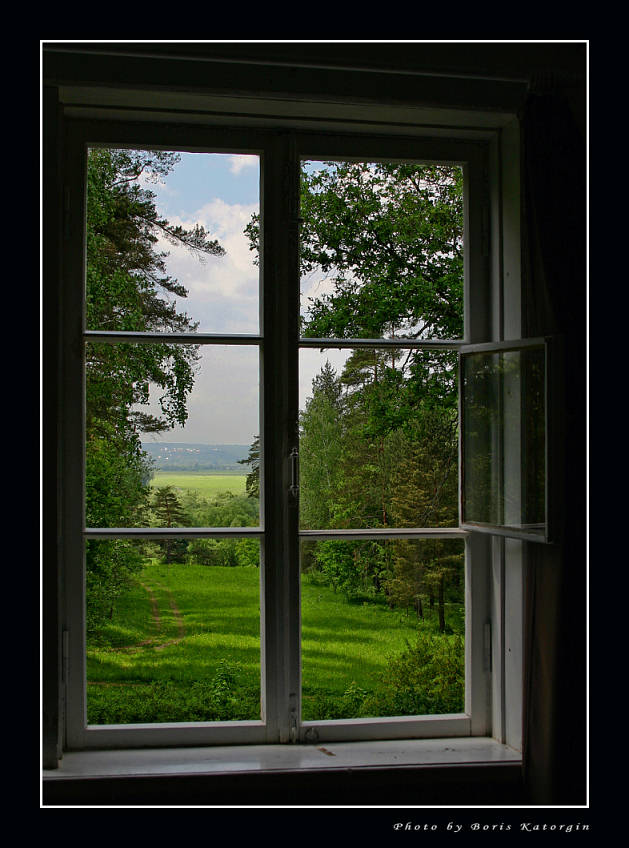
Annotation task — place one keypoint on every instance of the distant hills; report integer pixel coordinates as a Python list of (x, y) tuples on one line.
[(179, 456)]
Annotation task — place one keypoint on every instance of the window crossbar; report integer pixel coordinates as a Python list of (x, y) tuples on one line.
[(170, 532), (412, 344), (387, 533), (113, 336)]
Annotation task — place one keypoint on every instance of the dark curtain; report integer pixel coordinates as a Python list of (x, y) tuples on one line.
[(554, 268)]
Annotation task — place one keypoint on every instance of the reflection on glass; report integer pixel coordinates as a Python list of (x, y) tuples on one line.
[(167, 248), (382, 628), (378, 439), (504, 438), (381, 250), (172, 636), (169, 430)]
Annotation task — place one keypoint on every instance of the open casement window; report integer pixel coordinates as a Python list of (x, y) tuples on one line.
[(505, 411), (440, 553)]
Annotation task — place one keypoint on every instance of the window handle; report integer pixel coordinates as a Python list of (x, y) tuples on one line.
[(294, 472)]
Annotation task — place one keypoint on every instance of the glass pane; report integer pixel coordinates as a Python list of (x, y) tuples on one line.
[(381, 250), (378, 439), (169, 433), (173, 635), (383, 626), (166, 243), (504, 439)]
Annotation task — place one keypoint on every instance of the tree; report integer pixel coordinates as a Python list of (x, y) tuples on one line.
[(128, 288), (389, 236), (169, 513), (320, 450), (252, 483)]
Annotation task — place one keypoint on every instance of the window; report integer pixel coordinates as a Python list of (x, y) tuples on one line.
[(282, 538), (504, 438)]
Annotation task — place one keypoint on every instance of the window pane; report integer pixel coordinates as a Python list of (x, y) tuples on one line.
[(166, 243), (382, 628), (504, 438), (173, 634), (169, 430), (381, 250), (378, 439)]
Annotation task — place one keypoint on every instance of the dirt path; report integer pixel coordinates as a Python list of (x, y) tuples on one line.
[(154, 614), (153, 642), (181, 631)]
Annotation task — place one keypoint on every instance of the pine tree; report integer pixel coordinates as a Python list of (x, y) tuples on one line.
[(169, 512)]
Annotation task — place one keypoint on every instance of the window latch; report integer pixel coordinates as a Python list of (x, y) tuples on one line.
[(294, 472)]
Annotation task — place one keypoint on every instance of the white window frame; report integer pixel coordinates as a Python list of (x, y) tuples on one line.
[(486, 584)]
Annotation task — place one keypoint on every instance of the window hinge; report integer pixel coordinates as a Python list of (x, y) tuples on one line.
[(487, 646)]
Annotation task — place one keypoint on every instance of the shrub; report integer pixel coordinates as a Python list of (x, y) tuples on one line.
[(426, 679)]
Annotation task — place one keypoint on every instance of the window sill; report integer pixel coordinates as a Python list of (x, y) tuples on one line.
[(417, 772), (273, 758)]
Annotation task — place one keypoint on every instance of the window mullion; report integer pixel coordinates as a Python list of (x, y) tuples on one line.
[(280, 322)]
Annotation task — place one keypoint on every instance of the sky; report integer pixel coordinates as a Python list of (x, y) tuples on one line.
[(221, 192)]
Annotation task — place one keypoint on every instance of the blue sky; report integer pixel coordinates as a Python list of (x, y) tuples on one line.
[(221, 192)]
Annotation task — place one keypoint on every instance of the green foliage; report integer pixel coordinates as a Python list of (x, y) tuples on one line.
[(426, 679), (128, 288), (353, 568), (320, 451), (224, 552), (224, 509), (224, 698), (252, 484), (168, 512), (390, 237), (379, 442), (110, 567), (167, 508)]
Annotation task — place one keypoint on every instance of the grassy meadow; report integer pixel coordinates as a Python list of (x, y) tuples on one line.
[(183, 644), (205, 483)]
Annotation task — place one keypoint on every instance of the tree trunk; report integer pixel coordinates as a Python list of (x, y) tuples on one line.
[(442, 608), (419, 608)]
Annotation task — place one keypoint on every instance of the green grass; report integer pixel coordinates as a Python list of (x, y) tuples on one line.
[(203, 482), (177, 664), (184, 645), (347, 643)]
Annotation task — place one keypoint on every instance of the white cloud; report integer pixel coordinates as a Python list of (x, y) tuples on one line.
[(223, 291), (238, 162)]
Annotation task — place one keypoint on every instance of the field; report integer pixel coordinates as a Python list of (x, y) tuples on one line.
[(183, 640), (184, 645), (206, 483)]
